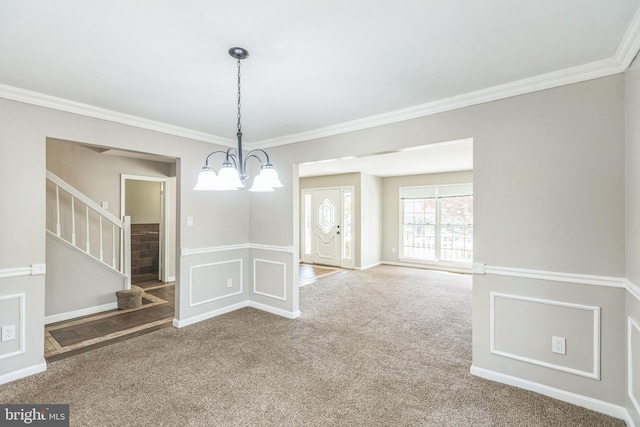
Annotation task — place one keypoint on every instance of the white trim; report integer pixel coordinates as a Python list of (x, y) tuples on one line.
[(583, 279), (632, 288), (406, 262), (22, 344), (171, 279), (632, 324), (594, 374), (284, 279), (60, 317), (208, 315), (193, 267), (273, 310), (366, 267), (61, 104), (15, 272), (273, 248), (630, 44), (258, 246), (22, 373), (607, 408)]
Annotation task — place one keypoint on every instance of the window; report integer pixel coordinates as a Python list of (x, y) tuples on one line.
[(437, 223)]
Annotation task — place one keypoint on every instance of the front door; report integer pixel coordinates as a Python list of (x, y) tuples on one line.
[(327, 208)]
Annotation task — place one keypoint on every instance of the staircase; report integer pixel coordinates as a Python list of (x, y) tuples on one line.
[(82, 224)]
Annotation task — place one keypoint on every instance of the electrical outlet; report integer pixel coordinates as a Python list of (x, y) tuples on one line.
[(229, 283), (559, 345), (8, 333)]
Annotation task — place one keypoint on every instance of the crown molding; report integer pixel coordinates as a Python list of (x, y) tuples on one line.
[(567, 76), (626, 52), (630, 44), (61, 104)]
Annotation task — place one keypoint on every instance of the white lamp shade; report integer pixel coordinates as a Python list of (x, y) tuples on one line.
[(260, 184), (270, 176), (207, 180), (228, 178)]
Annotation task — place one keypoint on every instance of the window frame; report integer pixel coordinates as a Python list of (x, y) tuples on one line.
[(438, 196)]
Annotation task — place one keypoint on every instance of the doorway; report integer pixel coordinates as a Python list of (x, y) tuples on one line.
[(328, 216), (147, 201)]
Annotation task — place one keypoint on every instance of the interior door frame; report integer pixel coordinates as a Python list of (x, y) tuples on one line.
[(163, 274), (308, 258)]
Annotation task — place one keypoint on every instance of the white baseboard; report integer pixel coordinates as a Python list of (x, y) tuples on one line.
[(208, 315), (366, 267), (24, 372), (427, 266), (171, 279), (566, 396), (78, 313), (273, 310)]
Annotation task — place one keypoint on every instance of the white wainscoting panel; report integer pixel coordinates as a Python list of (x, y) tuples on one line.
[(633, 360), (208, 282), (270, 278), (592, 312), (18, 346)]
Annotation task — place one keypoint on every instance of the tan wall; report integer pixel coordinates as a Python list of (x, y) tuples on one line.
[(142, 201)]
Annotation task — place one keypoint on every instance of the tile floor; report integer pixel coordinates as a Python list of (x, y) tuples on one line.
[(64, 339), (82, 334)]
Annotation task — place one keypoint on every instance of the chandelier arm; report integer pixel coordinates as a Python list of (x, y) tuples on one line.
[(206, 161), (259, 150)]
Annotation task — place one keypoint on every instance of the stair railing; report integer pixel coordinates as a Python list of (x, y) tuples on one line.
[(120, 230)]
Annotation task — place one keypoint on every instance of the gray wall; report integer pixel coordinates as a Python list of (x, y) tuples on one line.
[(632, 264)]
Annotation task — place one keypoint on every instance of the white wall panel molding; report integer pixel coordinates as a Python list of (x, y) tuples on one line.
[(573, 398), (33, 270), (257, 278), (595, 371), (192, 268), (181, 323), (582, 279), (22, 336), (22, 373), (633, 359), (213, 249)]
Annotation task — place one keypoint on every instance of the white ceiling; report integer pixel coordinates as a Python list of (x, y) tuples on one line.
[(315, 67)]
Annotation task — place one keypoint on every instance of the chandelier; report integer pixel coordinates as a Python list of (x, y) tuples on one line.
[(233, 172)]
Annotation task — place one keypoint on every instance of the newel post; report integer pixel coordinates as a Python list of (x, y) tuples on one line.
[(127, 251)]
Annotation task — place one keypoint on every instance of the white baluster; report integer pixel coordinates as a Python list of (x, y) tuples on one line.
[(113, 245), (88, 240), (73, 221), (101, 251), (57, 211), (126, 245)]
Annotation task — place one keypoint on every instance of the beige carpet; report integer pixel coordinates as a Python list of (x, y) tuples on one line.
[(384, 347)]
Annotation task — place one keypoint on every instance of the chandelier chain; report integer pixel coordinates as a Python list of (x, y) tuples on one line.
[(239, 125)]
